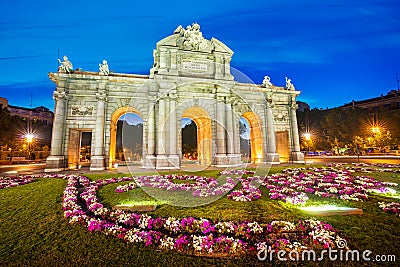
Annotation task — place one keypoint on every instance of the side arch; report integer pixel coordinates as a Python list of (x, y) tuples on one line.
[(256, 136), (113, 130)]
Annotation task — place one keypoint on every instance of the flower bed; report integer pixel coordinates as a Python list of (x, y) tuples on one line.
[(12, 181), (367, 167), (392, 207), (293, 184), (201, 186), (199, 236), (189, 235), (249, 190)]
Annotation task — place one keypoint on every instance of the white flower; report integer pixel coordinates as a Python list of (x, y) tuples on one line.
[(167, 243)]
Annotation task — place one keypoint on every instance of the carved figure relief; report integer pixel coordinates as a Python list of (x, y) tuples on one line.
[(267, 82), (77, 110), (193, 37), (103, 68), (280, 117), (289, 85), (66, 65)]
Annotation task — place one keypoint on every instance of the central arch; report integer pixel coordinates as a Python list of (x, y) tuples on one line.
[(256, 136), (204, 133), (113, 130)]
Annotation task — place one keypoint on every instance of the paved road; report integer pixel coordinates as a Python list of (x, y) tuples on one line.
[(22, 168), (351, 159)]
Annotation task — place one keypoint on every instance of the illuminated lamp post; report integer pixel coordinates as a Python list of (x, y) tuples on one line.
[(307, 136), (29, 140), (375, 130)]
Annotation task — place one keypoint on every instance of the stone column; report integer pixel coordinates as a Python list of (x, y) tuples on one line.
[(229, 129), (162, 159), (221, 141), (296, 155), (150, 161), (160, 129), (236, 131), (56, 161), (98, 159), (233, 157), (174, 159), (166, 126), (270, 156), (220, 156)]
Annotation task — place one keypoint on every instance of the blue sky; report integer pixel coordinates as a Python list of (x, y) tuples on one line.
[(334, 51)]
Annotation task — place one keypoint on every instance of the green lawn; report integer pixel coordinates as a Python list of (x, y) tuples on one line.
[(35, 233)]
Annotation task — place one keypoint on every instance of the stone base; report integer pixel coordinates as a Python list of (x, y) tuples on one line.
[(174, 161), (234, 159), (55, 164), (204, 162), (230, 160), (150, 162), (162, 162), (73, 166), (97, 163), (272, 158), (297, 157)]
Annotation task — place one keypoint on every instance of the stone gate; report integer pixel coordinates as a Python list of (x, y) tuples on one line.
[(190, 78)]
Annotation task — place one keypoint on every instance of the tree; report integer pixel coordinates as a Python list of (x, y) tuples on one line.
[(244, 143), (309, 121), (389, 122), (5, 122), (342, 124), (130, 138), (189, 138)]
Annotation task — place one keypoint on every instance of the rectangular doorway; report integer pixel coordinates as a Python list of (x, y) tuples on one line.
[(79, 148), (282, 145)]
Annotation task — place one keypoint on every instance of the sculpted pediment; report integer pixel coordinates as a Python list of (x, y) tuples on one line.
[(191, 39), (187, 53), (168, 41), (220, 46)]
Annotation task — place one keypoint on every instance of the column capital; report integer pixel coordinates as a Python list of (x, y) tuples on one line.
[(269, 103), (101, 97), (173, 96), (220, 98), (268, 95), (59, 95)]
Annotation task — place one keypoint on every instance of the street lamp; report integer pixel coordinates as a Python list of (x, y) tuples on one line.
[(10, 149), (307, 136), (29, 140), (375, 129)]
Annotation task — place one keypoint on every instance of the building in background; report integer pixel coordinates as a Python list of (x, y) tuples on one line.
[(390, 101), (41, 113), (3, 102), (302, 106), (15, 145)]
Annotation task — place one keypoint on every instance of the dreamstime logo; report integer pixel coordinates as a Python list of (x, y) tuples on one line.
[(216, 110), (341, 243), (342, 253)]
